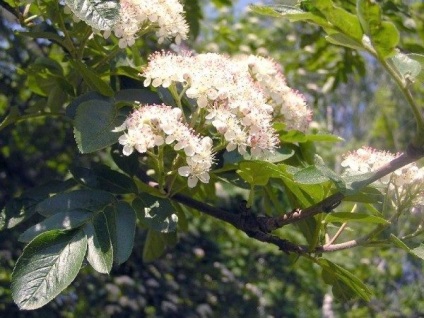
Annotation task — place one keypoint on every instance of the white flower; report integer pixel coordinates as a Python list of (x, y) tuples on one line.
[(164, 16), (234, 104)]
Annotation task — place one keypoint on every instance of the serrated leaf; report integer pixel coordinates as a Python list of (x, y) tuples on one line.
[(93, 80), (259, 172), (121, 222), (46, 267), (94, 123), (60, 221), (99, 14), (91, 200), (71, 109), (354, 217), (345, 285), (156, 213), (23, 207), (103, 178), (310, 175), (100, 252)]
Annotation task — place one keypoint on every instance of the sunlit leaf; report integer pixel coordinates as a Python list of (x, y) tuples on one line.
[(99, 14), (46, 267), (156, 213)]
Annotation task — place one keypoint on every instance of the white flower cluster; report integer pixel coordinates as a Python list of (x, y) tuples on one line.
[(289, 104), (166, 16), (155, 125), (235, 103), (367, 159)]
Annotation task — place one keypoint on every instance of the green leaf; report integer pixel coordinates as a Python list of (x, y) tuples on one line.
[(91, 200), (156, 213), (94, 123), (340, 19), (128, 164), (323, 137), (310, 175), (399, 243), (259, 172), (144, 96), (99, 14), (103, 178), (60, 221), (420, 59), (19, 209), (345, 285), (343, 40), (289, 12), (354, 217), (93, 80), (71, 109), (100, 252), (46, 267), (384, 35), (193, 16), (156, 243), (406, 66), (121, 222), (418, 251)]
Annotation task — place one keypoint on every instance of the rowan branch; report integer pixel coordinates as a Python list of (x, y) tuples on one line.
[(328, 204)]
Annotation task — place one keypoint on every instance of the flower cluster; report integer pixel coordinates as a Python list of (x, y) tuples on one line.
[(235, 102), (166, 16), (408, 179), (289, 104), (155, 125)]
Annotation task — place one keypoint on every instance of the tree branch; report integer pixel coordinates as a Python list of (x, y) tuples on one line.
[(328, 204)]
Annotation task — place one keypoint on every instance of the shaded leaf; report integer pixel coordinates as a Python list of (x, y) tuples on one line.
[(156, 243), (121, 221), (156, 213), (345, 285), (91, 200), (103, 178), (93, 80), (46, 267), (60, 221), (23, 207), (94, 123), (100, 252)]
